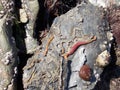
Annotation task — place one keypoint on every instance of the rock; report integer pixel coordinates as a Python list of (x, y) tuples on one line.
[(51, 70), (104, 3), (115, 84), (31, 10), (8, 50), (114, 20)]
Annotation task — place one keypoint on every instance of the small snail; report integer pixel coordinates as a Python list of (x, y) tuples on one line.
[(85, 73), (103, 59)]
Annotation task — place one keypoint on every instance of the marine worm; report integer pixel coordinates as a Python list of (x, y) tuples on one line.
[(76, 45), (48, 43)]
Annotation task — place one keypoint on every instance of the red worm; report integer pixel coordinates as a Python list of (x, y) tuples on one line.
[(76, 45)]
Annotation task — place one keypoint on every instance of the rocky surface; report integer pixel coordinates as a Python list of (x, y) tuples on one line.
[(60, 62), (48, 70), (104, 3), (25, 27), (8, 50)]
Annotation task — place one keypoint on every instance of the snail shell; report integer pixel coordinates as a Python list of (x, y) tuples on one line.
[(103, 59), (85, 73)]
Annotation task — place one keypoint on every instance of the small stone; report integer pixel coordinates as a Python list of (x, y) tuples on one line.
[(85, 72), (23, 16)]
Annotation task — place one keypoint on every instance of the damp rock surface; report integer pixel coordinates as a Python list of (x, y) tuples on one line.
[(8, 50), (48, 70)]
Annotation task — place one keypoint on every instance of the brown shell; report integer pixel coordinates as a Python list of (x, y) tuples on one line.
[(85, 72)]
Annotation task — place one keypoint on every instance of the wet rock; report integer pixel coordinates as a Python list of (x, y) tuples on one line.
[(48, 69), (114, 20), (104, 3), (30, 9), (115, 84), (8, 50)]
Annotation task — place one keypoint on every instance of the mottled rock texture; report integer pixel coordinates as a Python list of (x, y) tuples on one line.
[(52, 71), (46, 66), (27, 13), (8, 50)]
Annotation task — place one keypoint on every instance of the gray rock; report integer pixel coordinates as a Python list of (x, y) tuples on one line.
[(104, 3), (8, 50), (31, 8), (53, 71)]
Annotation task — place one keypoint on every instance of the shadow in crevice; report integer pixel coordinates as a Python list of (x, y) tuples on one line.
[(106, 77), (19, 29), (110, 72), (68, 74), (40, 24), (46, 16), (23, 60), (19, 34)]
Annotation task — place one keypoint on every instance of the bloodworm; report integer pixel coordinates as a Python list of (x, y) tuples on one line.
[(76, 45)]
